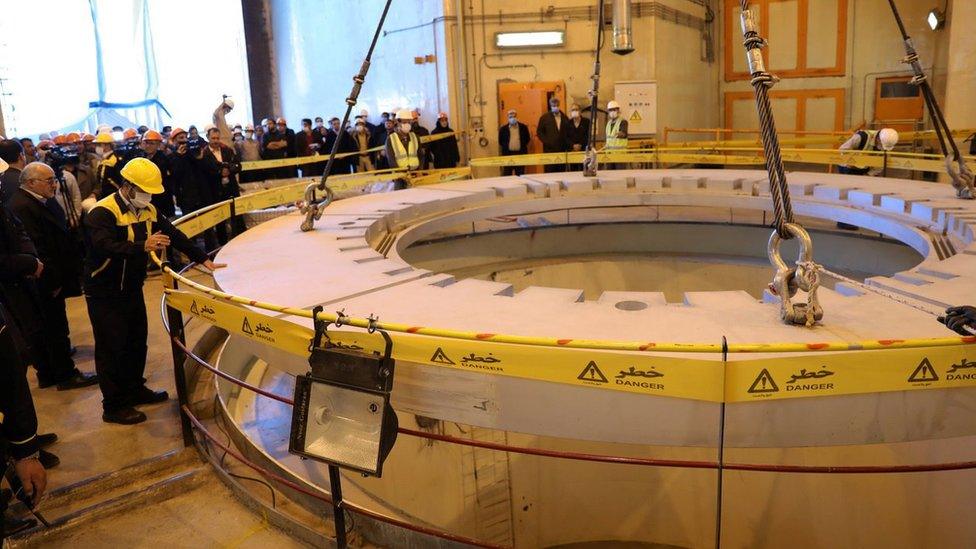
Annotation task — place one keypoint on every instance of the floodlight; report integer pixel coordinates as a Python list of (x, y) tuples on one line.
[(936, 19), (529, 39), (342, 414)]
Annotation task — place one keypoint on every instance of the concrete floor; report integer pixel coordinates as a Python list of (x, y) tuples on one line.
[(208, 515)]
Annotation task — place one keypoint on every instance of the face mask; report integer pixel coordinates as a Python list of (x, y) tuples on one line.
[(405, 127), (614, 114), (554, 109), (141, 200), (574, 114), (512, 120)]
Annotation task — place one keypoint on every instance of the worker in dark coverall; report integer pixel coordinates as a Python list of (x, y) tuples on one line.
[(120, 232)]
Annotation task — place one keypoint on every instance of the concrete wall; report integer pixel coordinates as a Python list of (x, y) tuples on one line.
[(665, 51), (874, 49), (319, 47)]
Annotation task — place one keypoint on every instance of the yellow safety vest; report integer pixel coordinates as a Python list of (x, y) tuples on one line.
[(613, 142), (406, 157), (125, 219), (868, 143)]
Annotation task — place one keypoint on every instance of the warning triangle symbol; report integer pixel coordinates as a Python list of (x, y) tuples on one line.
[(592, 373), (193, 308), (636, 117), (924, 373), (440, 357), (246, 327), (764, 383)]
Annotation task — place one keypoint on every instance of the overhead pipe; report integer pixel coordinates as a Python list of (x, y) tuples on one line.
[(623, 39)]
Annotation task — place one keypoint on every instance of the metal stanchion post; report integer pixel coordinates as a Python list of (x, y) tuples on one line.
[(175, 319), (338, 515), (721, 454)]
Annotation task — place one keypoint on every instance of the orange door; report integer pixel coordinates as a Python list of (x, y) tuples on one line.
[(898, 104), (530, 100)]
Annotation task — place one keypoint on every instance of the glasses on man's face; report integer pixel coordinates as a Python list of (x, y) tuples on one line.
[(49, 180)]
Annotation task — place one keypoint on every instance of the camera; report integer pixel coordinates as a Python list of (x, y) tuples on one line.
[(194, 144), (58, 157), (128, 150)]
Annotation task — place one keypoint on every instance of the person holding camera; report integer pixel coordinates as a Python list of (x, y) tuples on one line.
[(190, 184), (121, 230), (220, 166)]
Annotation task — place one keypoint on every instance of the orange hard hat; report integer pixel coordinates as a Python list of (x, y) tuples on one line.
[(72, 137), (130, 133), (176, 131), (44, 144), (87, 137), (60, 139), (152, 135)]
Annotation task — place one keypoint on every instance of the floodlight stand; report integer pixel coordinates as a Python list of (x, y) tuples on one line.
[(338, 515)]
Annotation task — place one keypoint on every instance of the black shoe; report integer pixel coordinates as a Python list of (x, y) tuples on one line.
[(48, 460), (12, 525), (124, 416), (45, 440), (78, 380), (145, 395)]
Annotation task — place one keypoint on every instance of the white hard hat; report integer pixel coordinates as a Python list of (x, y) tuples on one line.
[(207, 128), (230, 103), (888, 138), (613, 105), (404, 114), (3, 165)]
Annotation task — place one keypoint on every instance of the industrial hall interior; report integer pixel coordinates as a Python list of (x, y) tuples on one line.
[(555, 274)]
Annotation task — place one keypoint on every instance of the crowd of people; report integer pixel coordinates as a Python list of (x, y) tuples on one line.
[(79, 215)]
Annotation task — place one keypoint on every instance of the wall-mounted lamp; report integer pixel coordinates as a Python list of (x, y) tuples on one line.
[(936, 19)]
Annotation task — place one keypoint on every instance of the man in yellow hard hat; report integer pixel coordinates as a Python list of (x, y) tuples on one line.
[(122, 229)]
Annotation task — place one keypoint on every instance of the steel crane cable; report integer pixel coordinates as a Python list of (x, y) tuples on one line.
[(312, 207), (762, 80), (962, 177), (805, 274)]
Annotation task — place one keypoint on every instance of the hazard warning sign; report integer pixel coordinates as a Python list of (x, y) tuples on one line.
[(440, 357), (924, 373), (592, 373), (764, 384), (636, 117)]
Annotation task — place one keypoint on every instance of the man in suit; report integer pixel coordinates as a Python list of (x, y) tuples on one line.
[(513, 138), (220, 167), (12, 153), (44, 222), (346, 144), (552, 130), (578, 134)]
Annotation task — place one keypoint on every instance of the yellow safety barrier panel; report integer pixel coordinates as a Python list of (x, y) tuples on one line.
[(633, 372), (302, 160), (851, 373), (643, 373)]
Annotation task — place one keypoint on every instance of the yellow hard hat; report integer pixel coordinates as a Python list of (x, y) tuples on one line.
[(104, 137), (143, 173)]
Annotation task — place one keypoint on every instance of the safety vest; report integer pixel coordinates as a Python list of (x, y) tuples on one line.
[(125, 219), (613, 142), (868, 140), (406, 157)]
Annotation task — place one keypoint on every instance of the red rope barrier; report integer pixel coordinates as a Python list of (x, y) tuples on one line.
[(322, 497), (623, 460)]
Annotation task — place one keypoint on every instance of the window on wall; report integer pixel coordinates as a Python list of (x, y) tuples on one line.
[(184, 54), (808, 39)]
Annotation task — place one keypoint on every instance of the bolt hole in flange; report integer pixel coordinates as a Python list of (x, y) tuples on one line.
[(631, 305)]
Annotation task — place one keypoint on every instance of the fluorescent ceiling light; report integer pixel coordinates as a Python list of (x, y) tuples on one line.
[(936, 19), (529, 39)]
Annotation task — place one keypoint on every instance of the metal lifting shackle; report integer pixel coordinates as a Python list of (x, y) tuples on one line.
[(788, 281)]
